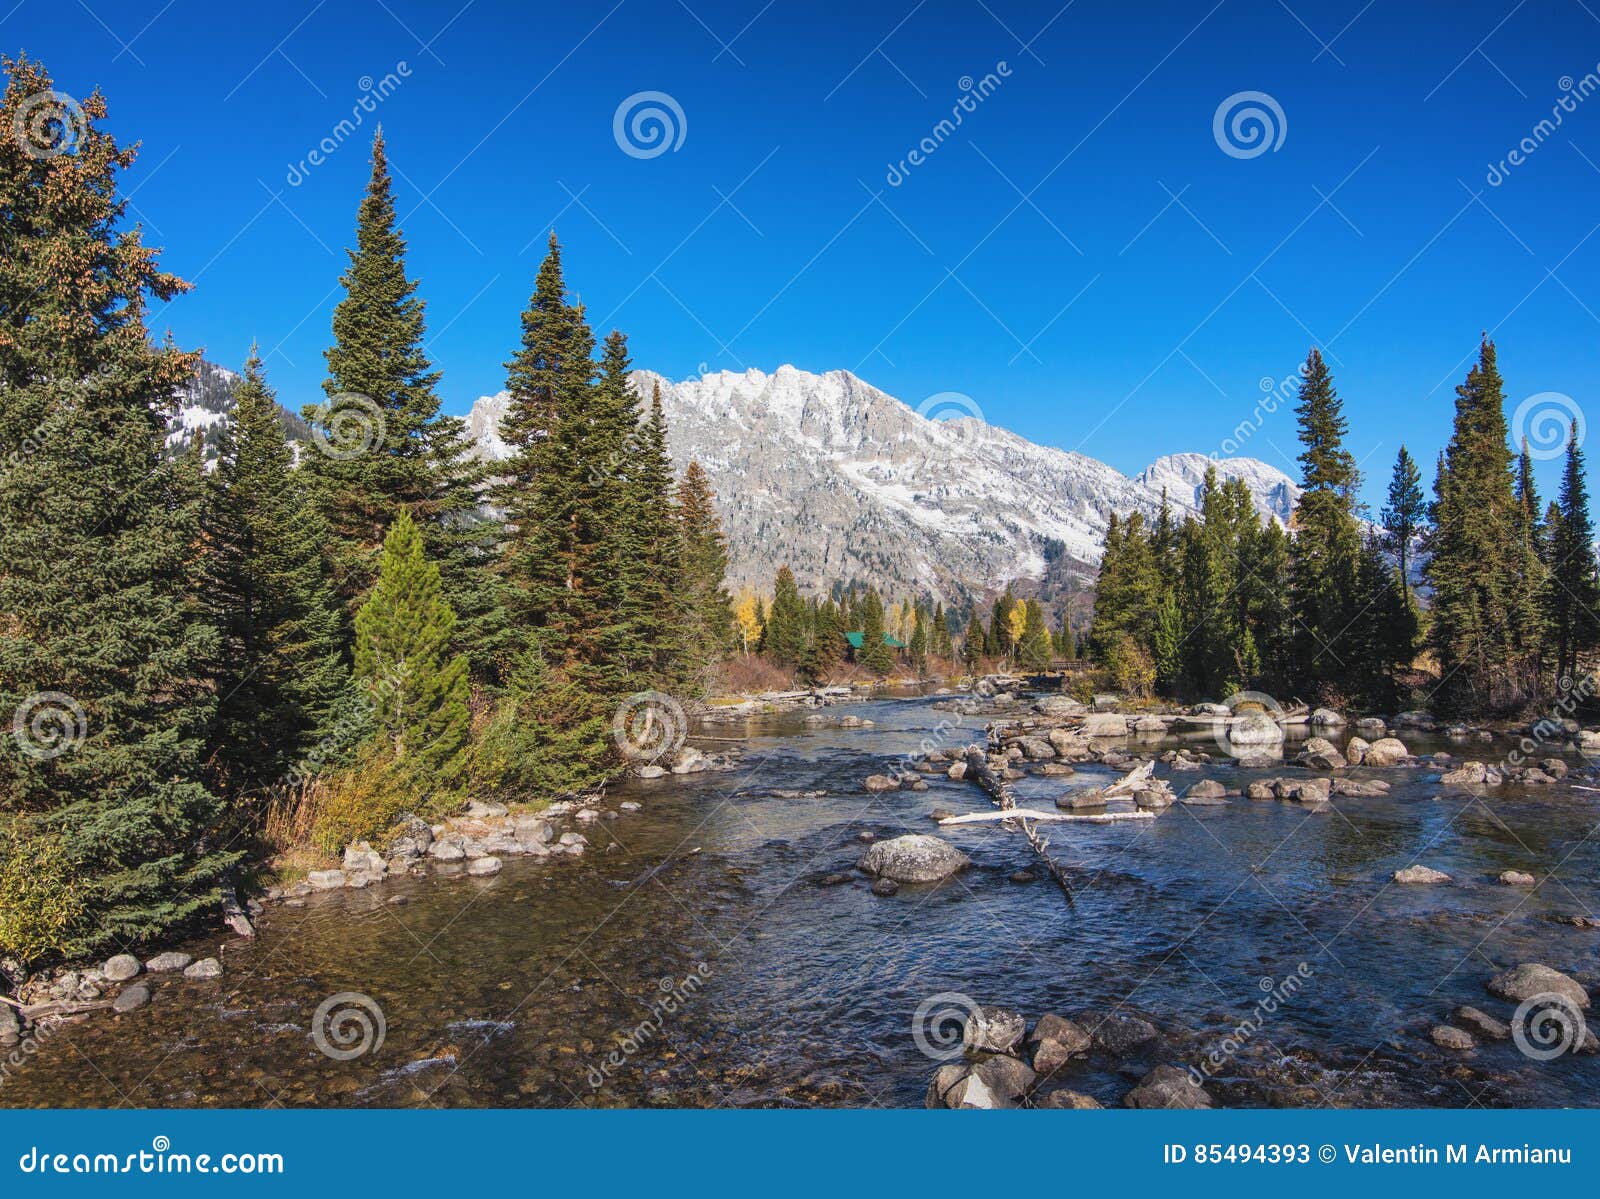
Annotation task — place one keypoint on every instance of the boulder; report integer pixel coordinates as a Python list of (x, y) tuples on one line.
[(1421, 721), (1073, 801), (203, 969), (1355, 751), (1457, 1039), (1516, 878), (166, 963), (943, 1082), (1468, 774), (1532, 979), (1481, 1024), (878, 783), (131, 998), (121, 968), (1065, 1098), (1327, 718), (651, 771), (1261, 789), (1036, 749), (484, 866), (993, 1029), (884, 887), (1386, 751), (1055, 770), (1307, 790), (1554, 767), (1055, 1040), (1058, 705), (915, 858), (1118, 1034), (1205, 789), (446, 851), (361, 858), (1168, 1087), (957, 771), (1254, 729), (999, 1082), (1154, 797), (483, 810), (1420, 874), (1370, 726), (1105, 724), (1360, 787), (327, 880)]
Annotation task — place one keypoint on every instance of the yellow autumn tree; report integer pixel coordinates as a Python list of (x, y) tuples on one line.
[(747, 621)]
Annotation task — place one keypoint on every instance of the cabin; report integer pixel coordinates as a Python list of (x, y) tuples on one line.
[(856, 640)]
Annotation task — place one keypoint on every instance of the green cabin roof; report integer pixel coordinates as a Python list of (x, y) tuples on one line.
[(857, 639)]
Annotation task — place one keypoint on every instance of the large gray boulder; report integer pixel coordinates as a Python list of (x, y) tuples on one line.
[(1386, 751), (1055, 1041), (915, 858), (1532, 979), (1105, 724), (121, 968), (994, 1030)]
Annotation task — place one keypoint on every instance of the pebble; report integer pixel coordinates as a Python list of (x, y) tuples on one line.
[(484, 866), (1446, 1037)]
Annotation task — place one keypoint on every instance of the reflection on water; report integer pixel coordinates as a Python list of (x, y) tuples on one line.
[(567, 982)]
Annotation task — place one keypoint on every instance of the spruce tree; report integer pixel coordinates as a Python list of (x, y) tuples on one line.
[(417, 690), (941, 646), (1573, 591), (785, 631), (972, 643), (1487, 584), (1403, 516), (708, 609), (918, 644), (381, 442), (875, 652), (280, 673), (1034, 648), (107, 831), (1326, 550)]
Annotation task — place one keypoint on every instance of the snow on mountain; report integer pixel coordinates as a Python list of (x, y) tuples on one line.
[(205, 407), (839, 480)]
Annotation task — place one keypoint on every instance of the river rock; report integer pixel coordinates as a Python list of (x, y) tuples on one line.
[(1036, 749), (651, 771), (1073, 801), (914, 858), (446, 851), (884, 887), (1355, 750), (1420, 874), (1555, 768), (1065, 1098), (1105, 724), (1058, 705), (1386, 751), (1532, 979), (1457, 1039), (10, 1026), (1055, 1040), (1004, 1079), (1308, 791), (131, 998), (1364, 788), (327, 880), (1481, 1024), (1261, 789), (1468, 774), (484, 866), (203, 969), (877, 783), (166, 963), (1516, 878), (1168, 1087), (1055, 770), (1321, 754), (121, 968), (1119, 1034), (957, 771), (1205, 789), (993, 1029), (1150, 724), (1423, 722), (361, 858), (1327, 718)]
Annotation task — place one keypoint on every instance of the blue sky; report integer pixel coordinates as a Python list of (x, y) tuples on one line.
[(1080, 256)]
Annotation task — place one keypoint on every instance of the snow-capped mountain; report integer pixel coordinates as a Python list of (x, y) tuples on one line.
[(838, 480), (205, 407)]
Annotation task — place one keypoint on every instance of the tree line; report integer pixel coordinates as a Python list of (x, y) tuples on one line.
[(1224, 601), (326, 637)]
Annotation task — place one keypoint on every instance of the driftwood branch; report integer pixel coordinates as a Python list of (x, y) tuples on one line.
[(1055, 817), (1000, 791)]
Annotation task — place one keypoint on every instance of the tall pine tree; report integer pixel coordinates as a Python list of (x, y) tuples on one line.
[(1573, 592)]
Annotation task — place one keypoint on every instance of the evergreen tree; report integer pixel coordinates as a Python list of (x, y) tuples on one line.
[(1402, 518), (382, 444), (1573, 592), (972, 643), (417, 690), (1000, 642), (785, 628), (1326, 550), (1485, 586), (918, 643), (707, 607), (106, 827), (280, 674), (875, 652), (1034, 646), (942, 647)]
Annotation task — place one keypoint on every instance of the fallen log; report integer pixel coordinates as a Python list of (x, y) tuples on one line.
[(1058, 817), (980, 772), (1129, 783)]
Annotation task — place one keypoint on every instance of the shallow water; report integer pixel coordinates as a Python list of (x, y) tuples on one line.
[(513, 990)]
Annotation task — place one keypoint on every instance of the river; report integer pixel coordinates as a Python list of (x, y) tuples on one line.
[(546, 984)]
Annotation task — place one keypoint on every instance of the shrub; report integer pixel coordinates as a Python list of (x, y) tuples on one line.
[(42, 909)]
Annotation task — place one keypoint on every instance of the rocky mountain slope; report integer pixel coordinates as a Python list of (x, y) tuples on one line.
[(841, 481)]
